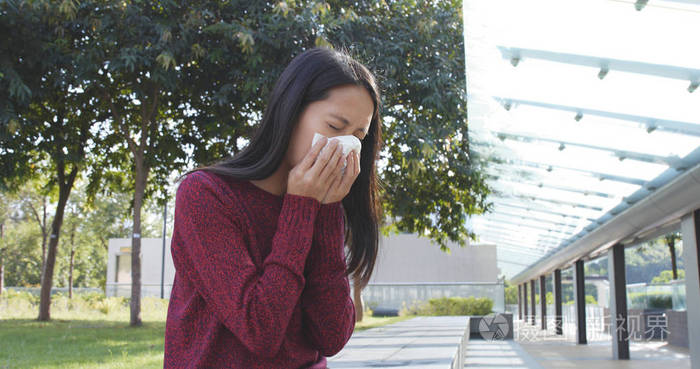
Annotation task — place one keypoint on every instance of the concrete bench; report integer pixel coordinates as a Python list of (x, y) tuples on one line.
[(426, 342)]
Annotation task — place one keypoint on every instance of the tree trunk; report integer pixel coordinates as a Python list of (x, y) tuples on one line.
[(47, 276), (139, 190), (672, 249), (149, 131)]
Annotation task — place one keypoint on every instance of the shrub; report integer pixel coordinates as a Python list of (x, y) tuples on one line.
[(653, 300), (110, 304), (450, 306)]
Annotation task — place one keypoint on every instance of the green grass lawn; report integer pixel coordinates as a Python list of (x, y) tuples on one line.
[(80, 336)]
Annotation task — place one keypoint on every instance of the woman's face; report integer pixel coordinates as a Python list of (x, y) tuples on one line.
[(346, 111)]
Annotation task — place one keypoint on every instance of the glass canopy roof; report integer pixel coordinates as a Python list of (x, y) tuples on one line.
[(582, 107)]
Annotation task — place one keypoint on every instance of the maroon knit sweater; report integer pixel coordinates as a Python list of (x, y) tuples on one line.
[(259, 278)]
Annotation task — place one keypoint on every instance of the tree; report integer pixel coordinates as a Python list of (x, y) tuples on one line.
[(52, 113), (431, 181), (181, 83), (22, 255)]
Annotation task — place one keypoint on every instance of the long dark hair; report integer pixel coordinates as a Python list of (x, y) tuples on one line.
[(308, 78)]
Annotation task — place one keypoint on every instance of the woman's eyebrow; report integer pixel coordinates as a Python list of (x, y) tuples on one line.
[(345, 121)]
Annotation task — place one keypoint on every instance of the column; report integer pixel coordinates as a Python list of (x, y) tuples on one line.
[(525, 301), (618, 303), (520, 302), (580, 300), (558, 328), (532, 300), (543, 301), (690, 228)]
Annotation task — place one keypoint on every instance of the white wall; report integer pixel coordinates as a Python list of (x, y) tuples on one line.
[(402, 258), (408, 258), (151, 260)]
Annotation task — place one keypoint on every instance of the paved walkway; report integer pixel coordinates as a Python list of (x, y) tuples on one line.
[(598, 355), (552, 351), (434, 342), (498, 355)]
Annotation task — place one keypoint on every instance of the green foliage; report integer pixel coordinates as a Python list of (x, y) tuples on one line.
[(432, 181), (107, 217), (207, 69), (81, 336), (549, 298), (644, 262), (165, 86), (666, 276), (590, 300), (450, 306), (17, 304), (650, 300), (511, 293)]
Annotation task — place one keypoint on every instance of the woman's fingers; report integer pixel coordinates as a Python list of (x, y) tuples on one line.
[(331, 167), (356, 159), (351, 171), (324, 157), (310, 157)]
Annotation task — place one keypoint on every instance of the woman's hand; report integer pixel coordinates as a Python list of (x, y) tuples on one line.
[(315, 174), (341, 186)]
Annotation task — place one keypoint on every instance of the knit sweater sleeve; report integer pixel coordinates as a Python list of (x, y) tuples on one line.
[(255, 304), (326, 303)]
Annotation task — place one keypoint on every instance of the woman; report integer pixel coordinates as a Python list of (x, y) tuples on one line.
[(261, 275)]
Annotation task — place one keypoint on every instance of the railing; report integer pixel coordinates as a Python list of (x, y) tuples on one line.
[(37, 290), (397, 295), (656, 296), (147, 289)]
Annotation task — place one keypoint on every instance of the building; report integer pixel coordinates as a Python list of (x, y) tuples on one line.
[(404, 260), (119, 267)]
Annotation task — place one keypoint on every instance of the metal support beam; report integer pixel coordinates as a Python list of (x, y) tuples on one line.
[(690, 228), (558, 329), (671, 161), (618, 303), (520, 302), (532, 300), (543, 301), (580, 300), (654, 123)]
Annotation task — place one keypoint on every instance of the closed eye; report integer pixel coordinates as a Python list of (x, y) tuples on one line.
[(338, 129)]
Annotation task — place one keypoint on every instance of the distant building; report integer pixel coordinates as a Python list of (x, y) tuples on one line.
[(407, 258), (403, 259), (119, 267)]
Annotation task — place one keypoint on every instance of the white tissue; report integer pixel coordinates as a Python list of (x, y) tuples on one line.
[(348, 143)]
